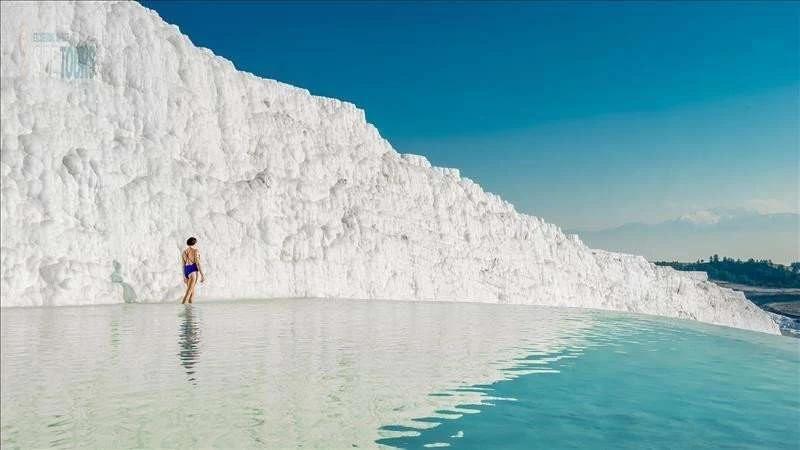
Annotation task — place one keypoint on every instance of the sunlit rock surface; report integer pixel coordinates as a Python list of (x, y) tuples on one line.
[(120, 139)]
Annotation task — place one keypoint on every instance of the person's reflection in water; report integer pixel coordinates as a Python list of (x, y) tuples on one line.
[(189, 342)]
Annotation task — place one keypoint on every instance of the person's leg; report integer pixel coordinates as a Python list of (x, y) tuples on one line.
[(186, 294), (192, 283)]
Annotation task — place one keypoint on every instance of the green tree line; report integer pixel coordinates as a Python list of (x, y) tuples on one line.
[(752, 272)]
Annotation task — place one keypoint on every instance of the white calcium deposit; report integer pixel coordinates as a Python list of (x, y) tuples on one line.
[(120, 139)]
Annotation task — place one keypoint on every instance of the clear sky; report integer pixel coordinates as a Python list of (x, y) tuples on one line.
[(587, 114)]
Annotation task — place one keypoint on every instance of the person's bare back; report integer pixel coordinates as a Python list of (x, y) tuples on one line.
[(190, 256)]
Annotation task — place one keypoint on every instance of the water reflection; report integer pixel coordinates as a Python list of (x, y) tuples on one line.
[(189, 341), (333, 373)]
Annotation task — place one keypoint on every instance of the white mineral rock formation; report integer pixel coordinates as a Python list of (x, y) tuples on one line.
[(120, 139)]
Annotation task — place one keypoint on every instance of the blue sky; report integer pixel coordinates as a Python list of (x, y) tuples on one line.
[(587, 114)]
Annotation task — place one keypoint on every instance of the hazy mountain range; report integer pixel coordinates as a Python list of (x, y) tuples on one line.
[(733, 233)]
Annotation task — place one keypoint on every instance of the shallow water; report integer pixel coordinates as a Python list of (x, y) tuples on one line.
[(339, 374)]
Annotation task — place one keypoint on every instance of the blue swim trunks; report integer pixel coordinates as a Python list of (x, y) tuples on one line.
[(188, 269)]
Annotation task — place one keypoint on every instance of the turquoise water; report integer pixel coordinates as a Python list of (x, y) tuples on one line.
[(657, 385), (345, 374)]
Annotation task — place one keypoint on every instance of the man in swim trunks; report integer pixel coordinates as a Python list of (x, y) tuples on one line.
[(190, 261)]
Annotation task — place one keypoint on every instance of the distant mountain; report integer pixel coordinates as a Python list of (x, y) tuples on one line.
[(734, 233)]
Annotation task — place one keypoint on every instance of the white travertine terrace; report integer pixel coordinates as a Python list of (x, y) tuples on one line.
[(118, 148)]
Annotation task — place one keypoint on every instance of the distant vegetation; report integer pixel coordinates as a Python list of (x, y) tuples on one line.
[(752, 272)]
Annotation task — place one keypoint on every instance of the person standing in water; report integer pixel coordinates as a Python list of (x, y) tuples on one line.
[(190, 260)]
